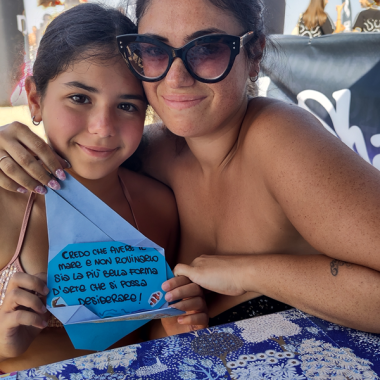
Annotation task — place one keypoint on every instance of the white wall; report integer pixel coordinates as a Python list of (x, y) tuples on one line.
[(295, 7)]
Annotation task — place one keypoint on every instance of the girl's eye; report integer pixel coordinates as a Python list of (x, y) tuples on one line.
[(127, 107), (81, 99)]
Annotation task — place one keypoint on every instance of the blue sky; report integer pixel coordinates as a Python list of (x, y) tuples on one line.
[(295, 7)]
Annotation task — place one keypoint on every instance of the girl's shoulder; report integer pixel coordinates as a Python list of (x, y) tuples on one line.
[(271, 123), (153, 204)]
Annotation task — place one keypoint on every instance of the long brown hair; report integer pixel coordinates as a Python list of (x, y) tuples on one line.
[(315, 14)]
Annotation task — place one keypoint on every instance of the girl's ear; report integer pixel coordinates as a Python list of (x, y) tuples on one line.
[(34, 99)]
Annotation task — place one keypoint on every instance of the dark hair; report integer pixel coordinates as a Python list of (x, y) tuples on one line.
[(87, 31), (249, 13)]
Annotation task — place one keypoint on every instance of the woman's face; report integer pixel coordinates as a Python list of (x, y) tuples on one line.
[(94, 115), (190, 108)]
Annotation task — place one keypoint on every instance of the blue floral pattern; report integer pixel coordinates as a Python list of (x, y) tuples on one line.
[(287, 345)]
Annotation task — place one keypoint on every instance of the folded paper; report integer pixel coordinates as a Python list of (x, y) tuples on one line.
[(104, 276)]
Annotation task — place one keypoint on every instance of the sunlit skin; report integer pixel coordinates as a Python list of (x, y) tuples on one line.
[(93, 116), (246, 199)]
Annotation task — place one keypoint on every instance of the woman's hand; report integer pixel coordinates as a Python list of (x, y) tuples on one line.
[(191, 300), (218, 273), (20, 170), (22, 314)]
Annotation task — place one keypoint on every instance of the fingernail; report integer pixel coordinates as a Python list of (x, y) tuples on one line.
[(40, 190), (44, 323), (53, 184), (165, 286), (168, 297), (22, 190), (180, 319), (43, 309), (46, 291), (60, 174)]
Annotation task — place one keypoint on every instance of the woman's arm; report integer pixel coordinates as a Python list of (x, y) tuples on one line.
[(334, 290), (331, 196)]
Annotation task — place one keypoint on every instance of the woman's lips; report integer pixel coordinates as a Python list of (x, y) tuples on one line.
[(181, 102), (97, 151)]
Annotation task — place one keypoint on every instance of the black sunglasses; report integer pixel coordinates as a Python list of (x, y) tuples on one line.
[(208, 59)]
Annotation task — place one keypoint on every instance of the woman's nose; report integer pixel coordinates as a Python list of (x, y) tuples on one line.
[(102, 124), (178, 76)]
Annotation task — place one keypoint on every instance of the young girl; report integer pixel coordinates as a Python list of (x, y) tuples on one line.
[(93, 111)]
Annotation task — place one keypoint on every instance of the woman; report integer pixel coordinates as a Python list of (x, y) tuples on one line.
[(315, 21), (369, 19), (272, 203)]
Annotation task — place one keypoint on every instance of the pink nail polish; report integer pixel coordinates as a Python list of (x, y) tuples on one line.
[(22, 190), (40, 190), (60, 174), (53, 184)]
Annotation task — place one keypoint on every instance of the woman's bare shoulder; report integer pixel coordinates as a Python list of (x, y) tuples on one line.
[(273, 125), (316, 179)]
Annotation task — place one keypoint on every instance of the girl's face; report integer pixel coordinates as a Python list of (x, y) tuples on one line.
[(190, 108), (93, 115)]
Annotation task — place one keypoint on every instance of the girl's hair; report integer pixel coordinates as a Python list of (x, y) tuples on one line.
[(315, 14), (87, 31), (249, 14)]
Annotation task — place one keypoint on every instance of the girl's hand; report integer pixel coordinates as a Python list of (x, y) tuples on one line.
[(22, 314), (218, 273), (20, 170), (191, 300)]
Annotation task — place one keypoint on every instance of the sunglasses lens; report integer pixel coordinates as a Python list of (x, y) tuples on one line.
[(209, 61), (148, 60)]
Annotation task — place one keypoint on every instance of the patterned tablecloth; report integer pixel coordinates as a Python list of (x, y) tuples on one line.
[(286, 345)]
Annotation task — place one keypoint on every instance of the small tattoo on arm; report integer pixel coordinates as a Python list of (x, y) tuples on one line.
[(335, 264)]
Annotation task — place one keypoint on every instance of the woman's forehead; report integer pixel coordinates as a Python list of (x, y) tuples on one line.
[(176, 19)]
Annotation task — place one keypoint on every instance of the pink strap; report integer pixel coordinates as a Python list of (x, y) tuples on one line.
[(25, 221), (129, 199)]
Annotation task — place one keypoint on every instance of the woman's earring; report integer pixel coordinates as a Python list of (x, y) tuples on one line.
[(253, 80), (35, 122)]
